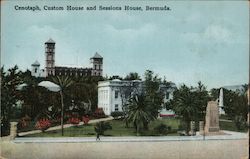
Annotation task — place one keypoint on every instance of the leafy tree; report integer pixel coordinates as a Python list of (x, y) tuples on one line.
[(36, 99), (115, 77), (144, 103), (126, 92), (128, 89), (183, 105), (84, 94), (132, 76), (64, 82), (153, 94), (201, 97), (139, 112), (235, 105), (84, 91), (9, 82), (189, 103)]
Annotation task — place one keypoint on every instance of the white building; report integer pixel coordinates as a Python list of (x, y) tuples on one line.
[(113, 94), (36, 71)]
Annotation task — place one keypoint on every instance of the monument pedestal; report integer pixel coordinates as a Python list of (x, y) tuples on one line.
[(201, 127), (13, 130), (192, 128)]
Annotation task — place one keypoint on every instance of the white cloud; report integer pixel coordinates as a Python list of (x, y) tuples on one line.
[(131, 33)]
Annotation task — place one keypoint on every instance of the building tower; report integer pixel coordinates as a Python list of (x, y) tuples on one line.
[(50, 58), (97, 65), (35, 69)]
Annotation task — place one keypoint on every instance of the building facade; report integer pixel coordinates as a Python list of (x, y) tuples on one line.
[(113, 94), (52, 70)]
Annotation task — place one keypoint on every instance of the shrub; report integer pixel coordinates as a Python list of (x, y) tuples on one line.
[(99, 113), (117, 114), (74, 120), (43, 124), (182, 126), (24, 122), (162, 129), (239, 122), (85, 119)]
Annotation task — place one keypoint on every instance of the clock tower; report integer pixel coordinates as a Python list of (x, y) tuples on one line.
[(50, 58)]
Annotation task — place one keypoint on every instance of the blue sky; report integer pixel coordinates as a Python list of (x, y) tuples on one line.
[(196, 40)]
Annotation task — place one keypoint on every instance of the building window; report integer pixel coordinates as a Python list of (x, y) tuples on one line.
[(95, 67), (116, 94), (116, 107), (35, 70), (167, 95)]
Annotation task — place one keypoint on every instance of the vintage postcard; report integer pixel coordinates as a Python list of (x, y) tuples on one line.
[(124, 79)]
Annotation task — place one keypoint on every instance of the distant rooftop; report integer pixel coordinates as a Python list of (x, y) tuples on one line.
[(36, 63), (50, 41), (97, 56), (71, 67)]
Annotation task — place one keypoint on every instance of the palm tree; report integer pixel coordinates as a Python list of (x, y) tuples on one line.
[(64, 82), (138, 112), (184, 105)]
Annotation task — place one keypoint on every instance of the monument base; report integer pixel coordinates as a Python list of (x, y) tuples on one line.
[(213, 133), (212, 129)]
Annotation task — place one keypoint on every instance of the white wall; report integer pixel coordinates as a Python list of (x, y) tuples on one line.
[(116, 101), (106, 95), (103, 99), (35, 71)]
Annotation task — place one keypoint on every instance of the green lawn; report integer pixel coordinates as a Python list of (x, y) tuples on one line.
[(224, 125), (118, 129)]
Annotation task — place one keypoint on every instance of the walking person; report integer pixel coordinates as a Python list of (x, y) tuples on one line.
[(98, 136), (97, 133)]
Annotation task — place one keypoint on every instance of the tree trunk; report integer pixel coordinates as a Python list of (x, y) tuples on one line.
[(135, 126), (61, 94), (187, 127), (126, 126), (137, 129), (90, 105), (145, 125)]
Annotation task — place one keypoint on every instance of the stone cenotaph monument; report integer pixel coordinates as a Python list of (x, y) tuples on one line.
[(212, 118)]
